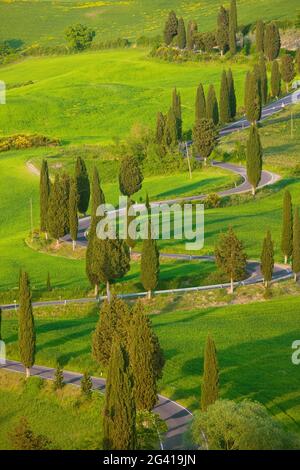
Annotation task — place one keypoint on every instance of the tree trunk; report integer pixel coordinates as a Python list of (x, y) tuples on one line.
[(231, 286), (74, 244), (287, 87), (295, 277), (57, 243), (46, 235), (205, 161), (27, 371), (96, 290), (266, 284), (149, 294), (253, 190), (108, 291), (285, 259)]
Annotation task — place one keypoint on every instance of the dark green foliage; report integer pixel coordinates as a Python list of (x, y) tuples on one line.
[(287, 70), (272, 41), (212, 107), (23, 438), (83, 185), (263, 80), (170, 137), (44, 195), (260, 36), (223, 30), (224, 105), (119, 418), (296, 244), (150, 263), (58, 380), (253, 98), (234, 14), (181, 36), (79, 36), (231, 92), (204, 138), (210, 381), (230, 256), (141, 358), (200, 104), (176, 105), (58, 209), (267, 259), (73, 215), (232, 41), (27, 339), (114, 318), (171, 28), (254, 158), (131, 242), (48, 283), (246, 88), (98, 197), (130, 176), (275, 80), (86, 385), (287, 227), (233, 26), (205, 42), (160, 128), (191, 30)]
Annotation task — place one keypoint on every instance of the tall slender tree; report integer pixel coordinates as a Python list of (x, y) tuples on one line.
[(263, 79), (58, 208), (223, 30), (83, 185), (296, 245), (272, 41), (130, 176), (160, 128), (119, 418), (212, 107), (205, 138), (210, 381), (27, 338), (287, 227), (287, 69), (267, 259), (190, 38), (253, 99), (176, 105), (275, 80), (224, 105), (233, 14), (181, 35), (232, 95), (73, 212), (170, 137), (233, 26), (200, 104), (260, 36), (254, 158), (45, 187), (171, 28), (150, 263)]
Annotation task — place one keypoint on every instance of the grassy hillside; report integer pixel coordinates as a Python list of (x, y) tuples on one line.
[(254, 344), (44, 21)]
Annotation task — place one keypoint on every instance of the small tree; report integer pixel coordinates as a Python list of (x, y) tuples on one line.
[(150, 263), (287, 227), (260, 36), (79, 36), (181, 37), (200, 104), (130, 176), (253, 100), (44, 196), (275, 80), (230, 256), (296, 245), (170, 137), (254, 158), (210, 382), (212, 107), (272, 42), (224, 105), (223, 30), (267, 259), (171, 28), (58, 381), (86, 385), (27, 338), (205, 138), (191, 30), (23, 438), (287, 70), (231, 93), (83, 185), (73, 215)]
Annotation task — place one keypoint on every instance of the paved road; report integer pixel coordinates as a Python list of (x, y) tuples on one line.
[(176, 417)]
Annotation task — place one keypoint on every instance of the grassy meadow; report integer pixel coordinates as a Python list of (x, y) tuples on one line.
[(47, 20)]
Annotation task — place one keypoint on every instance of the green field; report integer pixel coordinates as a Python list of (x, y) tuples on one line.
[(47, 20), (253, 341)]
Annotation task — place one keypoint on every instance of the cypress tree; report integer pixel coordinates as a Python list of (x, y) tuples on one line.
[(83, 185), (181, 37), (86, 385), (224, 106), (98, 197), (246, 88), (204, 138), (267, 259), (287, 227), (171, 28), (253, 99), (232, 96), (272, 42), (230, 256), (65, 191), (297, 60), (27, 339), (200, 104), (149, 263), (254, 158), (119, 418), (44, 196), (212, 107), (131, 242), (263, 79), (223, 30), (233, 26), (190, 38), (296, 245), (232, 41), (233, 14), (287, 70), (58, 216), (275, 80), (260, 36), (210, 381), (160, 128), (73, 216), (130, 176), (176, 105), (170, 137), (58, 382), (141, 358)]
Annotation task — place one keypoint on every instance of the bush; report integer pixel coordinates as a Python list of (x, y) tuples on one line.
[(86, 385), (212, 201), (23, 438), (23, 141)]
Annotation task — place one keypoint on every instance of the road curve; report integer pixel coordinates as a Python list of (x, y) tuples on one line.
[(176, 416)]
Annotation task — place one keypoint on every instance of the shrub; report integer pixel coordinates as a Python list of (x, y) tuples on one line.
[(22, 141), (23, 438), (212, 201)]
